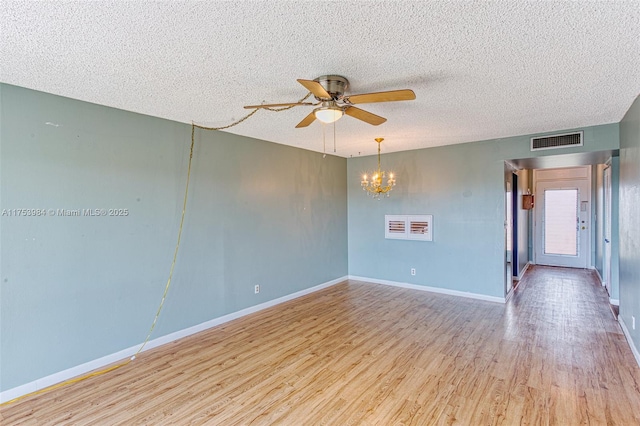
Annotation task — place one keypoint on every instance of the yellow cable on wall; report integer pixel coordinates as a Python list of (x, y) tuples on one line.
[(173, 264), (155, 319)]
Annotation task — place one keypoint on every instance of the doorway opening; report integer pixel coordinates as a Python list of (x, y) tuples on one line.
[(562, 217), (535, 176)]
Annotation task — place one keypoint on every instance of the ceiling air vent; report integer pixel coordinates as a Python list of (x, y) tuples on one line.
[(556, 141)]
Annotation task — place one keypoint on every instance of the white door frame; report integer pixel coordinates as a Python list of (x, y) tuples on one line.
[(606, 262), (509, 232), (565, 178)]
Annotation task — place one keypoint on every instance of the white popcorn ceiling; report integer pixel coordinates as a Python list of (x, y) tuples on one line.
[(480, 70)]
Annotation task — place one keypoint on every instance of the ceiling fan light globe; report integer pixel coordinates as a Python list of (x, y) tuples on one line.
[(328, 115)]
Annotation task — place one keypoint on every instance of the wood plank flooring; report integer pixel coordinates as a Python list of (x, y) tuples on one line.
[(367, 354)]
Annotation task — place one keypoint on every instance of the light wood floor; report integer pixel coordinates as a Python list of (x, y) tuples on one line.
[(374, 355)]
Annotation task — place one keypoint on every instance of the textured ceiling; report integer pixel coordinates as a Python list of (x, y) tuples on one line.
[(480, 70)]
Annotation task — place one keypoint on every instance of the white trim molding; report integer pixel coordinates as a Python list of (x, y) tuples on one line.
[(615, 302), (593, 268), (521, 274), (431, 289), (627, 335), (95, 364)]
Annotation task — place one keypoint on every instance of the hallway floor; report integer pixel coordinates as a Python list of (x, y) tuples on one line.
[(578, 354), (367, 354)]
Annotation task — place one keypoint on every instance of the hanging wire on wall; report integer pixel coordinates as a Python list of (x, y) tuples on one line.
[(235, 123), (171, 269)]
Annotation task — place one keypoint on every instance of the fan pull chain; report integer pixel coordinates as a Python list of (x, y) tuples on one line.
[(324, 141), (334, 137)]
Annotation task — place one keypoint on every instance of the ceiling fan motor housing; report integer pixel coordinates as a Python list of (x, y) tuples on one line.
[(335, 85)]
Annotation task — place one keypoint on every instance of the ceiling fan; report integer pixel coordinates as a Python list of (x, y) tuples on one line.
[(333, 103)]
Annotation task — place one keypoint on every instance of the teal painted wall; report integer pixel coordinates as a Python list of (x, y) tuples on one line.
[(463, 187), (592, 220), (629, 224), (530, 247), (598, 219), (615, 228), (523, 221), (74, 289), (466, 199), (597, 198)]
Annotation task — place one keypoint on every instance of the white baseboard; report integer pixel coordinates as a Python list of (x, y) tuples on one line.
[(598, 274), (615, 302), (625, 330), (509, 295), (81, 369), (431, 289), (521, 274)]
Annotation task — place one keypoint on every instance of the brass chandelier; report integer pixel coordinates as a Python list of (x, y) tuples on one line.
[(374, 186)]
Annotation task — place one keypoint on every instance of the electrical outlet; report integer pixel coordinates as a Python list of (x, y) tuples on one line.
[(256, 289), (633, 322), (413, 271)]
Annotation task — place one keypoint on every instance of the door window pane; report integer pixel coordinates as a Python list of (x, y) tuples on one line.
[(560, 221)]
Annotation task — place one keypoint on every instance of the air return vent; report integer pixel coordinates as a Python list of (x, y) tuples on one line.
[(556, 141), (405, 227), (396, 227)]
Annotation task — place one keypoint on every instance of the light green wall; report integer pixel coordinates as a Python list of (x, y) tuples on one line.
[(597, 218), (530, 247), (629, 225), (523, 221), (615, 228), (463, 187), (74, 289), (597, 198)]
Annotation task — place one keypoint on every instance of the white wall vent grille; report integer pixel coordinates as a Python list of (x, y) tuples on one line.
[(397, 227), (557, 141), (404, 227), (419, 228)]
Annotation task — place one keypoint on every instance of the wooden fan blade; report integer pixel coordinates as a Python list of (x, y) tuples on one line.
[(365, 116), (392, 95), (315, 88), (307, 120), (276, 105)]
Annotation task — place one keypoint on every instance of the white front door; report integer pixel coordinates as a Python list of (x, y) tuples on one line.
[(562, 223)]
